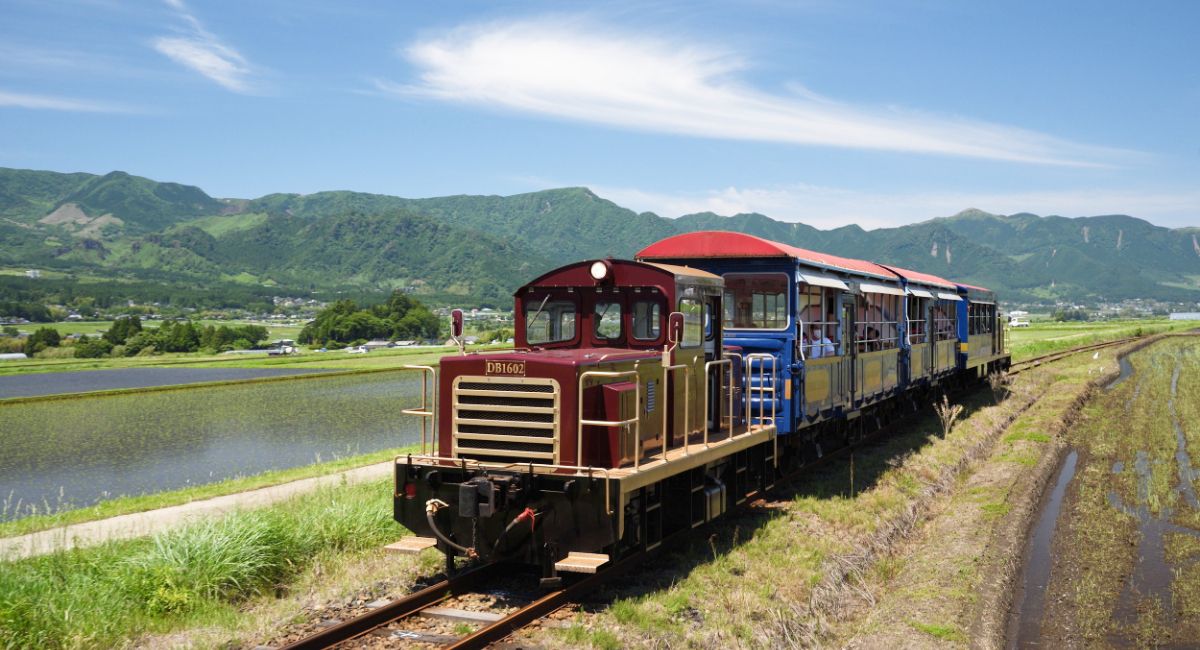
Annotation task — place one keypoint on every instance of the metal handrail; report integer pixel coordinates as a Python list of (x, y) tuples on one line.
[(761, 390), (426, 410), (635, 420), (707, 375), (687, 405), (803, 334)]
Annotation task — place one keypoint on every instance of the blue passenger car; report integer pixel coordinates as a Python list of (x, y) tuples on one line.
[(825, 338)]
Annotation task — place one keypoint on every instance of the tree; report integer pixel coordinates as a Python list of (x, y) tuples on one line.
[(399, 317), (180, 336), (122, 329), (86, 348), (44, 337)]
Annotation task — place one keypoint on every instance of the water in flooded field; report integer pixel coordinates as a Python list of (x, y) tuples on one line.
[(1128, 535), (75, 452)]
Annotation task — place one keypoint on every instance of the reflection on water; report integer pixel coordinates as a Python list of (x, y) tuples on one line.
[(79, 451), (1035, 576)]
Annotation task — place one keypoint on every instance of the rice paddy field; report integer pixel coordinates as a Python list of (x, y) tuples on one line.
[(74, 452), (1043, 338), (1127, 545)]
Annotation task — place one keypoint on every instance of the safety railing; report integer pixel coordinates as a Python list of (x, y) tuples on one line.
[(728, 363), (635, 420), (762, 384), (426, 410), (803, 336), (687, 404), (465, 463)]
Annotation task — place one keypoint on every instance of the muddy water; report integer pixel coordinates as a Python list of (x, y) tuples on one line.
[(1036, 573), (1152, 575)]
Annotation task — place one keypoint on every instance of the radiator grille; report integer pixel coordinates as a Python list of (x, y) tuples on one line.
[(514, 419)]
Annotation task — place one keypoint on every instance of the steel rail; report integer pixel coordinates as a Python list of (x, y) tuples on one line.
[(398, 609), (1028, 364)]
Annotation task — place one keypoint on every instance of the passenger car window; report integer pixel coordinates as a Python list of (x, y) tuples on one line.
[(756, 300)]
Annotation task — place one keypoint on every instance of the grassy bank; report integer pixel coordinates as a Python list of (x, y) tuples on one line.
[(145, 502), (1043, 338), (220, 579)]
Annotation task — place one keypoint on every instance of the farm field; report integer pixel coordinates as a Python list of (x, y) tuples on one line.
[(1126, 565), (120, 379), (1043, 338), (335, 359), (77, 451)]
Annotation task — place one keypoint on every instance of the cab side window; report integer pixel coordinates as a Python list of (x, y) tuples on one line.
[(647, 320), (693, 322)]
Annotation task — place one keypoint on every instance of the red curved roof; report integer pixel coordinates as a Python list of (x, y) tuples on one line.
[(971, 286), (923, 278), (717, 243)]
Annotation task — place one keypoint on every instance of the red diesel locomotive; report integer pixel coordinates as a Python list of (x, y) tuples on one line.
[(616, 421)]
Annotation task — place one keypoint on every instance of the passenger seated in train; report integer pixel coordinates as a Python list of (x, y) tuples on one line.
[(820, 345)]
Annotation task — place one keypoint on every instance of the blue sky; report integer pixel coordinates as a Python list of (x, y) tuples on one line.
[(823, 112)]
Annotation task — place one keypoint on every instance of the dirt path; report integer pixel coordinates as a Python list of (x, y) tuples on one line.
[(152, 521)]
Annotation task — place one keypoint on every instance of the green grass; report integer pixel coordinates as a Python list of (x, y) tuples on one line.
[(1043, 338), (943, 632), (144, 502), (199, 576)]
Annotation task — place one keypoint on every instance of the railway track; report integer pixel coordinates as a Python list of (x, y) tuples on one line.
[(1029, 364), (398, 623)]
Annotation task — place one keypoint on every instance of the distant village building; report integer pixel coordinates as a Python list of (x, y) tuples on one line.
[(376, 344), (1185, 315), (12, 356), (33, 274)]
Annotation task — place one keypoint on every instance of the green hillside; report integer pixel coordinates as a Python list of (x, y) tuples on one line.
[(465, 249)]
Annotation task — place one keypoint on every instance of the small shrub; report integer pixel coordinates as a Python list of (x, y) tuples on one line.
[(947, 413)]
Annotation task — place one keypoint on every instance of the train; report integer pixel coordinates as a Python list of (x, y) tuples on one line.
[(646, 397)]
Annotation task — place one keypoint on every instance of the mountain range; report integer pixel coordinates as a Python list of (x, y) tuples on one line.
[(478, 249)]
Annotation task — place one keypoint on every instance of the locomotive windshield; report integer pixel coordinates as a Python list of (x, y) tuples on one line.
[(607, 319), (549, 320)]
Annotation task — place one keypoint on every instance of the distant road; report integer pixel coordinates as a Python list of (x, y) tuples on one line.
[(58, 383)]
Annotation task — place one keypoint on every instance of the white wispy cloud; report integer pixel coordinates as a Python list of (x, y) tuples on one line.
[(831, 207), (204, 52), (56, 103), (574, 69)]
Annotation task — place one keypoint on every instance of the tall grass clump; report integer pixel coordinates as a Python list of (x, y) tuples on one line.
[(195, 575)]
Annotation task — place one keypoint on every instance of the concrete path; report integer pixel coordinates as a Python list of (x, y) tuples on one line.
[(152, 521)]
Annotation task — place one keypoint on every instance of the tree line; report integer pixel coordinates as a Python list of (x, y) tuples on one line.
[(127, 337), (344, 322)]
